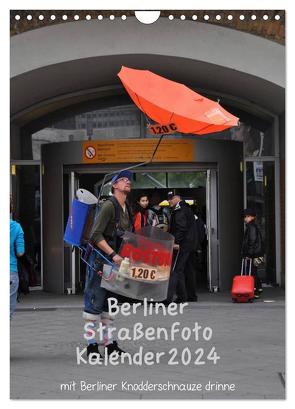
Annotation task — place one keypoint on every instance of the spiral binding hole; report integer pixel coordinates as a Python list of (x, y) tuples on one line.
[(171, 17)]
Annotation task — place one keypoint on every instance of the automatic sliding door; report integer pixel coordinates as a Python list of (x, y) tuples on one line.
[(197, 186), (260, 186), (71, 254), (212, 231)]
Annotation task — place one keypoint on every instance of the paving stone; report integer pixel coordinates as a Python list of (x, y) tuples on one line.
[(249, 340)]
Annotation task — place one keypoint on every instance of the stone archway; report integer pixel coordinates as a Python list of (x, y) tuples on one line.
[(49, 63)]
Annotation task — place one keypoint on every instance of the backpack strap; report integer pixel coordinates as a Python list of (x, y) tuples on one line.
[(117, 207), (117, 210), (130, 217)]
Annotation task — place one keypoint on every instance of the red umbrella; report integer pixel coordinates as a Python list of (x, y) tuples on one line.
[(175, 107)]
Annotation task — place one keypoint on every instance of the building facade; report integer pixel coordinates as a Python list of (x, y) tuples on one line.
[(65, 93)]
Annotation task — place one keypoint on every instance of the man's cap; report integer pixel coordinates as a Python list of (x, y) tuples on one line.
[(249, 212), (123, 174), (173, 193)]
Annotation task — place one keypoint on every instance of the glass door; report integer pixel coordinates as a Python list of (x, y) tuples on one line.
[(26, 194), (198, 187), (71, 253), (212, 231), (260, 194)]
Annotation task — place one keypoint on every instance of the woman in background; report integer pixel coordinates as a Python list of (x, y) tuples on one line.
[(143, 215), (17, 249)]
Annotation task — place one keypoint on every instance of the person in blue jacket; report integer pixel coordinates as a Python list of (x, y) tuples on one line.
[(17, 249)]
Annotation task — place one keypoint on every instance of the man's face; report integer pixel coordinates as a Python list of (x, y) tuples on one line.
[(173, 201), (123, 185)]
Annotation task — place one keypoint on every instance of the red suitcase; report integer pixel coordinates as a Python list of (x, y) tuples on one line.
[(243, 285)]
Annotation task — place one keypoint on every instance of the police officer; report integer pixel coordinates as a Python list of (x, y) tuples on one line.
[(106, 235), (183, 228)]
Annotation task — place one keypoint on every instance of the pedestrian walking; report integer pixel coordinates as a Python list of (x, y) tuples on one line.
[(252, 246), (107, 236), (183, 228), (17, 249)]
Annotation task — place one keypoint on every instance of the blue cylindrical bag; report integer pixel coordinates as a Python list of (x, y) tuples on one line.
[(76, 222)]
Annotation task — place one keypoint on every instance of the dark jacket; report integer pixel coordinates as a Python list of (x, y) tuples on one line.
[(201, 230), (252, 242), (111, 223), (183, 227)]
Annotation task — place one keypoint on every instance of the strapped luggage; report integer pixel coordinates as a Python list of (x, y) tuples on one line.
[(243, 285)]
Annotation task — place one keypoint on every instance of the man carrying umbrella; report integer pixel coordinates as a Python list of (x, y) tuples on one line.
[(183, 228)]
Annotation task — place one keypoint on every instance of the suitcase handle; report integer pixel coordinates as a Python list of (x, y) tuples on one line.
[(242, 267)]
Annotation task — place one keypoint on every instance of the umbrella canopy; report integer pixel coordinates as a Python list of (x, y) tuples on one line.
[(174, 107)]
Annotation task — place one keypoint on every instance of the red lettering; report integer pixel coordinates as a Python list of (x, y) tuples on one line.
[(161, 259), (137, 254), (154, 255), (126, 250), (146, 254)]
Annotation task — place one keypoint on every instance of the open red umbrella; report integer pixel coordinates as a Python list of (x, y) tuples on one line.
[(173, 106)]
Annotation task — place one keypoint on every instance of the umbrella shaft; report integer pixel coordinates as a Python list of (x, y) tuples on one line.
[(131, 167)]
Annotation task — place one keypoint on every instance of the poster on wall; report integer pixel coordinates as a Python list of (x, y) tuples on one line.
[(258, 171), (134, 98)]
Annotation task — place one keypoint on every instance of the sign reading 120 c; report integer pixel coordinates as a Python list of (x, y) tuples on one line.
[(158, 129)]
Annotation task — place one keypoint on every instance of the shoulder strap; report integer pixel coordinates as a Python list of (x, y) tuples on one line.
[(117, 209), (114, 242), (130, 216)]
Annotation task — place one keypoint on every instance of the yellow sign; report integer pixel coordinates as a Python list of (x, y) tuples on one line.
[(13, 170), (138, 150)]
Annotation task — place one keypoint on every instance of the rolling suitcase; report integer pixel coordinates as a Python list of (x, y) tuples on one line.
[(243, 285)]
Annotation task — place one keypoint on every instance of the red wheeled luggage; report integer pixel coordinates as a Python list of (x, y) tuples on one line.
[(243, 285)]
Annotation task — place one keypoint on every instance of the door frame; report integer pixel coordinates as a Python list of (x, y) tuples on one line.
[(213, 270), (213, 261), (276, 162)]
